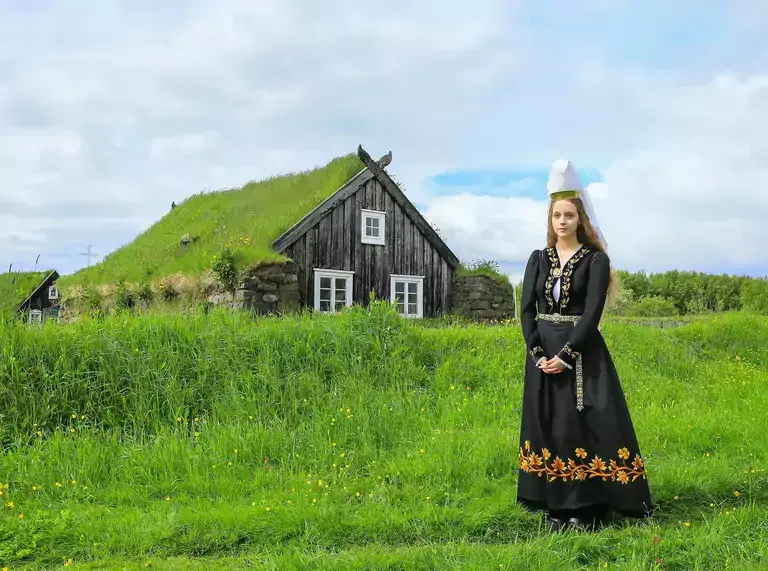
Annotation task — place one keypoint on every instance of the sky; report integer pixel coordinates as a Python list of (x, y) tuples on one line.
[(112, 109)]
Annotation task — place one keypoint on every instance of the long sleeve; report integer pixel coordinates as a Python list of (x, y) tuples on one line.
[(597, 289), (529, 308)]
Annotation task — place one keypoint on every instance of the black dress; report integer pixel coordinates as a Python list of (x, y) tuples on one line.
[(578, 449)]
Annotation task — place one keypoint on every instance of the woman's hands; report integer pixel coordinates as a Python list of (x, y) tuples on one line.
[(551, 366)]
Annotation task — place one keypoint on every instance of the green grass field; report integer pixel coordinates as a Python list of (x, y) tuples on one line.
[(358, 441)]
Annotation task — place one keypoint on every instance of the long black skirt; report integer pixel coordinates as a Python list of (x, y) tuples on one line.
[(573, 460)]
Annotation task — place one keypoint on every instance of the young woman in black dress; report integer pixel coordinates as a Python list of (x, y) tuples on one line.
[(579, 457)]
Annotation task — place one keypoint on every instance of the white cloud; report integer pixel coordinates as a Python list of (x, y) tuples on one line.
[(695, 198), (118, 109), (178, 146)]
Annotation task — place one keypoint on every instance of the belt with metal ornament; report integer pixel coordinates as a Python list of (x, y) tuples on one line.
[(560, 318)]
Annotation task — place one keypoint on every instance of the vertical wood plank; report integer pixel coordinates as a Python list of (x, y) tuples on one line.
[(298, 255), (337, 237), (347, 244), (445, 285), (309, 265), (357, 282), (324, 241), (429, 281), (397, 253), (436, 260), (379, 258), (367, 248), (389, 222)]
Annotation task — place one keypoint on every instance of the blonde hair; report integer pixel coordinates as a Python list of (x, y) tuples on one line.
[(585, 234)]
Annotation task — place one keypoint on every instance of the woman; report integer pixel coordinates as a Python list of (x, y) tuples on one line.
[(579, 456)]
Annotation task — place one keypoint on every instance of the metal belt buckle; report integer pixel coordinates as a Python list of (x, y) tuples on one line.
[(557, 317)]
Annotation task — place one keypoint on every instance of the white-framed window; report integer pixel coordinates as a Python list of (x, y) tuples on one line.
[(35, 316), (53, 292), (407, 293), (373, 226), (333, 289)]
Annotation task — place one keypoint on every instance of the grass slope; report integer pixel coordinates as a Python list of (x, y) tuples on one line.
[(357, 441), (247, 219), (15, 287)]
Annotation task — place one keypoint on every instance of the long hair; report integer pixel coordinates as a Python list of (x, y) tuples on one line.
[(585, 234)]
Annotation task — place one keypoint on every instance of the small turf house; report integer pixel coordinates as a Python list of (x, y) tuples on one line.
[(33, 296), (368, 236)]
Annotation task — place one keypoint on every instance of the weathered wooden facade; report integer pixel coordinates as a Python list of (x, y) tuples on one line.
[(43, 303), (366, 237)]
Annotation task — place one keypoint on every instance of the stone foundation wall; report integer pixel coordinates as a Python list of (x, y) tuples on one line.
[(482, 297), (265, 288)]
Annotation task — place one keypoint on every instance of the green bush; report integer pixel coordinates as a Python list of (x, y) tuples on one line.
[(754, 296), (652, 306), (125, 298), (225, 270)]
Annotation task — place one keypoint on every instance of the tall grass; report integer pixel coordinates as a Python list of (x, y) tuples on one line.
[(359, 441)]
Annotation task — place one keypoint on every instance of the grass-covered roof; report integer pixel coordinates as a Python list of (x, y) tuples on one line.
[(247, 219), (15, 287)]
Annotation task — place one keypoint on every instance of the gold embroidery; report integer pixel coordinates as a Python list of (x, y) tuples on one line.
[(554, 263), (565, 284), (538, 350), (570, 352), (532, 463), (579, 384)]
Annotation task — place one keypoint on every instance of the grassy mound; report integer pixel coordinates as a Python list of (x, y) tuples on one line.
[(356, 441), (246, 219), (15, 287)]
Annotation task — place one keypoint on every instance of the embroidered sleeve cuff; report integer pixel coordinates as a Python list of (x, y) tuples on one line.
[(537, 353), (566, 365), (568, 356)]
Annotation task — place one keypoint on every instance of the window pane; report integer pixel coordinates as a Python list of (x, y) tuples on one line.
[(341, 283), (339, 305), (412, 309), (400, 288), (325, 305), (413, 298), (412, 287), (325, 295), (341, 295), (400, 307), (325, 283)]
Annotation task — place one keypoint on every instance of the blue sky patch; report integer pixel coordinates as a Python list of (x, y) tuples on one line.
[(530, 183)]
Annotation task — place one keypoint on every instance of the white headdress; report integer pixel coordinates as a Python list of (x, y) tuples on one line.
[(564, 183)]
